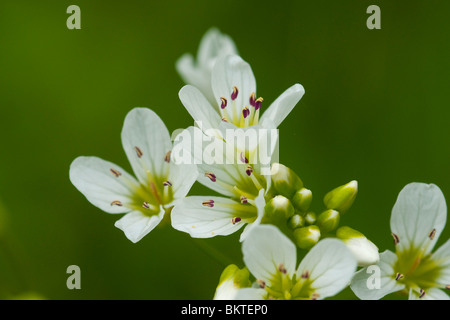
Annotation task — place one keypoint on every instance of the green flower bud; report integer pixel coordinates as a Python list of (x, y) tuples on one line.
[(310, 218), (296, 221), (341, 198), (307, 237), (364, 250), (328, 220), (302, 199), (231, 280), (278, 209), (285, 181)]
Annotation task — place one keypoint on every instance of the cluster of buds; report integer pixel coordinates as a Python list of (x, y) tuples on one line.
[(289, 208)]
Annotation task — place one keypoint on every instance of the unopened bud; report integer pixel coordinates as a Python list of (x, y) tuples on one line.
[(310, 218), (278, 208), (285, 181), (296, 221), (328, 220), (307, 237), (364, 250), (302, 199), (341, 198), (231, 280)]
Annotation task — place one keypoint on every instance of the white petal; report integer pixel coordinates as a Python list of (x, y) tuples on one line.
[(265, 249), (364, 250), (250, 294), (93, 177), (199, 108), (194, 75), (420, 208), (136, 225), (214, 44), (227, 290), (364, 283), (200, 221), (145, 130), (441, 257), (182, 177), (282, 106), (232, 71), (331, 266)]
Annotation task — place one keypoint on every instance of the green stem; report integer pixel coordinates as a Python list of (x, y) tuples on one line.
[(215, 254)]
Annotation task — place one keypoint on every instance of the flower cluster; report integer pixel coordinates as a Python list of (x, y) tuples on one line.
[(232, 150)]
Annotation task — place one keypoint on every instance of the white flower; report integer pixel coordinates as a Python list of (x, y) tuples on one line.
[(240, 181), (235, 101), (213, 45), (417, 220), (159, 182), (272, 258)]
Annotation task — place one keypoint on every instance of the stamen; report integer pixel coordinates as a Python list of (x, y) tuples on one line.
[(115, 172), (261, 283), (432, 234), (245, 112), (258, 103), (138, 152), (305, 274), (235, 220), (249, 170), (398, 276), (146, 205), (224, 102), (208, 203), (234, 94), (244, 199), (167, 156), (167, 183), (252, 99), (116, 203), (282, 269), (224, 119), (422, 293), (315, 296), (243, 158), (396, 238), (447, 287), (211, 176)]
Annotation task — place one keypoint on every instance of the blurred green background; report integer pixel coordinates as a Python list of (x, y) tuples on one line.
[(376, 109)]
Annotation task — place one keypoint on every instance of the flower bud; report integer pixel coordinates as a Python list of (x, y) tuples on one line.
[(285, 181), (302, 199), (231, 280), (307, 237), (278, 208), (364, 250), (310, 218), (296, 221), (341, 198), (328, 220)]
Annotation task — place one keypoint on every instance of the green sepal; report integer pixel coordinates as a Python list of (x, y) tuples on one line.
[(307, 237), (328, 220), (341, 198)]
